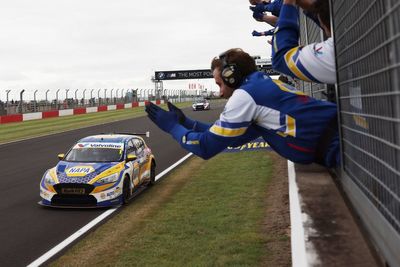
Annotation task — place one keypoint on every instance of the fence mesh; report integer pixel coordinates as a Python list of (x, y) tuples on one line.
[(367, 43), (367, 40)]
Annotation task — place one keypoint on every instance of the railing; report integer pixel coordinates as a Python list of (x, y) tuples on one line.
[(367, 43)]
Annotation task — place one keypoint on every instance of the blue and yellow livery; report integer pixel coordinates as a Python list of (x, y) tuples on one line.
[(99, 171)]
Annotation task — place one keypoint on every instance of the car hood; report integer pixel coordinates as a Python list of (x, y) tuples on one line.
[(81, 172)]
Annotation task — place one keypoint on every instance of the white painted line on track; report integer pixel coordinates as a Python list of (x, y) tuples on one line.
[(71, 238), (299, 258), (167, 170), (45, 257)]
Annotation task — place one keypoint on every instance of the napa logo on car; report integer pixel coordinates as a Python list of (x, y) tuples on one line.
[(79, 171)]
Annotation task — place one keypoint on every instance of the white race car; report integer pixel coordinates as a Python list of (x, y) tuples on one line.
[(201, 104)]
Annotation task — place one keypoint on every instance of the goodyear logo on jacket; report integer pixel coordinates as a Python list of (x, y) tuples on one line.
[(256, 144), (79, 171)]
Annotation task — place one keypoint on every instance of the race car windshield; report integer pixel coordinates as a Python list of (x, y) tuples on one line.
[(199, 100), (94, 155)]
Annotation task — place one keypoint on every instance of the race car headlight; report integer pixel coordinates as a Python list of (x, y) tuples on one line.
[(48, 179), (108, 179)]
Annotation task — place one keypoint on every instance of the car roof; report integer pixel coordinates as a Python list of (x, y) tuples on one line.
[(108, 138)]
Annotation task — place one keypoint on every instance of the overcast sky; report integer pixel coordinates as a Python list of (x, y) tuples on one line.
[(60, 44)]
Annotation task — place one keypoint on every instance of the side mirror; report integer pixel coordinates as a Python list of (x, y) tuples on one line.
[(131, 157), (61, 156)]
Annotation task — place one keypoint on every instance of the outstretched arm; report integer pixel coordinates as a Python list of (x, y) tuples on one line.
[(266, 33), (232, 129)]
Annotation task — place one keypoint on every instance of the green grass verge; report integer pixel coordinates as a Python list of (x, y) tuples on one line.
[(214, 221), (27, 129), (210, 213)]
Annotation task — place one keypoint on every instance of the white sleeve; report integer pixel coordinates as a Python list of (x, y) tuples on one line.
[(240, 107), (319, 60)]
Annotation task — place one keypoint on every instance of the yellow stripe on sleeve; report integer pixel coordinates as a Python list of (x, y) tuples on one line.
[(285, 88), (292, 65), (218, 130), (290, 126)]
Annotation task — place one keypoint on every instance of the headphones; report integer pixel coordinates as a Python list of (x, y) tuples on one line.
[(230, 73)]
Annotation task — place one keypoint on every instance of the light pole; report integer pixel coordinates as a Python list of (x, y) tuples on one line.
[(112, 100), (48, 90), (58, 90), (34, 99), (148, 94), (116, 94), (105, 94), (7, 91), (98, 96), (66, 99), (141, 93), (20, 100), (83, 96)]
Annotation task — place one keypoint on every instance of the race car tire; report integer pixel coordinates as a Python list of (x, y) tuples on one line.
[(152, 173), (126, 191)]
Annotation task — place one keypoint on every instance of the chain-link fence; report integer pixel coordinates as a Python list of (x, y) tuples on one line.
[(367, 43), (367, 39)]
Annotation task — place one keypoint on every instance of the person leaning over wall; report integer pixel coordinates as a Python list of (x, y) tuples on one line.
[(265, 33), (298, 127), (260, 7), (314, 62)]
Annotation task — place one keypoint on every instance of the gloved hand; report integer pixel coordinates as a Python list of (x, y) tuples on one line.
[(165, 120), (181, 117), (258, 11), (258, 15), (266, 33), (269, 32), (274, 8)]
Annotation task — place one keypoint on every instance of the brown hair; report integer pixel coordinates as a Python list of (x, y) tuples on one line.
[(321, 8), (244, 62)]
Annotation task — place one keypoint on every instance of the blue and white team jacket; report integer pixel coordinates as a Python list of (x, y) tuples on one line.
[(314, 62), (288, 120)]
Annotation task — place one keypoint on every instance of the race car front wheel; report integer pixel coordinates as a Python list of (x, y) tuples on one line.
[(126, 191), (152, 174)]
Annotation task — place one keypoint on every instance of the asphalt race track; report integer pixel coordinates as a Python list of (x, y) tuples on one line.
[(27, 230)]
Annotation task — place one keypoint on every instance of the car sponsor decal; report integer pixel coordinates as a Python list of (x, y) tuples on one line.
[(99, 145), (78, 171), (108, 170)]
